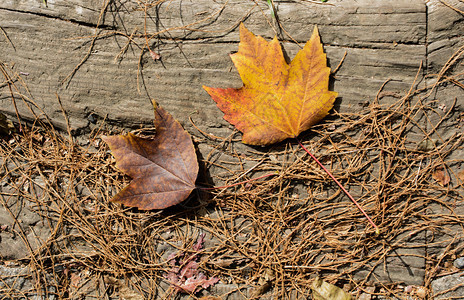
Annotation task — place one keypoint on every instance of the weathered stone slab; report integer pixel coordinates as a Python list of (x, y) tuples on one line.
[(445, 27), (16, 282), (448, 287), (383, 41), (23, 230), (404, 264)]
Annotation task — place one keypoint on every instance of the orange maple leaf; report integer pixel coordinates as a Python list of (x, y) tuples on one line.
[(277, 100), (163, 169)]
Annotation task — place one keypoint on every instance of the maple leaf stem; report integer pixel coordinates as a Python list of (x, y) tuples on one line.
[(377, 231), (238, 183)]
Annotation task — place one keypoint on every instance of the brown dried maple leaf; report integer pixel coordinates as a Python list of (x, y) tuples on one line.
[(163, 169)]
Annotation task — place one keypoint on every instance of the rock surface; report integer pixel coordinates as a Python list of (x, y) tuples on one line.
[(459, 262), (23, 230), (52, 50), (16, 283), (448, 287)]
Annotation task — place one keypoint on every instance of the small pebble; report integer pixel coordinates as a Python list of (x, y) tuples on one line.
[(19, 150), (459, 263), (421, 292), (92, 118)]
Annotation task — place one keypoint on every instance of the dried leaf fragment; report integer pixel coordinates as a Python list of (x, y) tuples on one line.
[(265, 283), (277, 100), (325, 291), (154, 55), (163, 170), (428, 145), (127, 293), (441, 176), (185, 275), (461, 176)]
